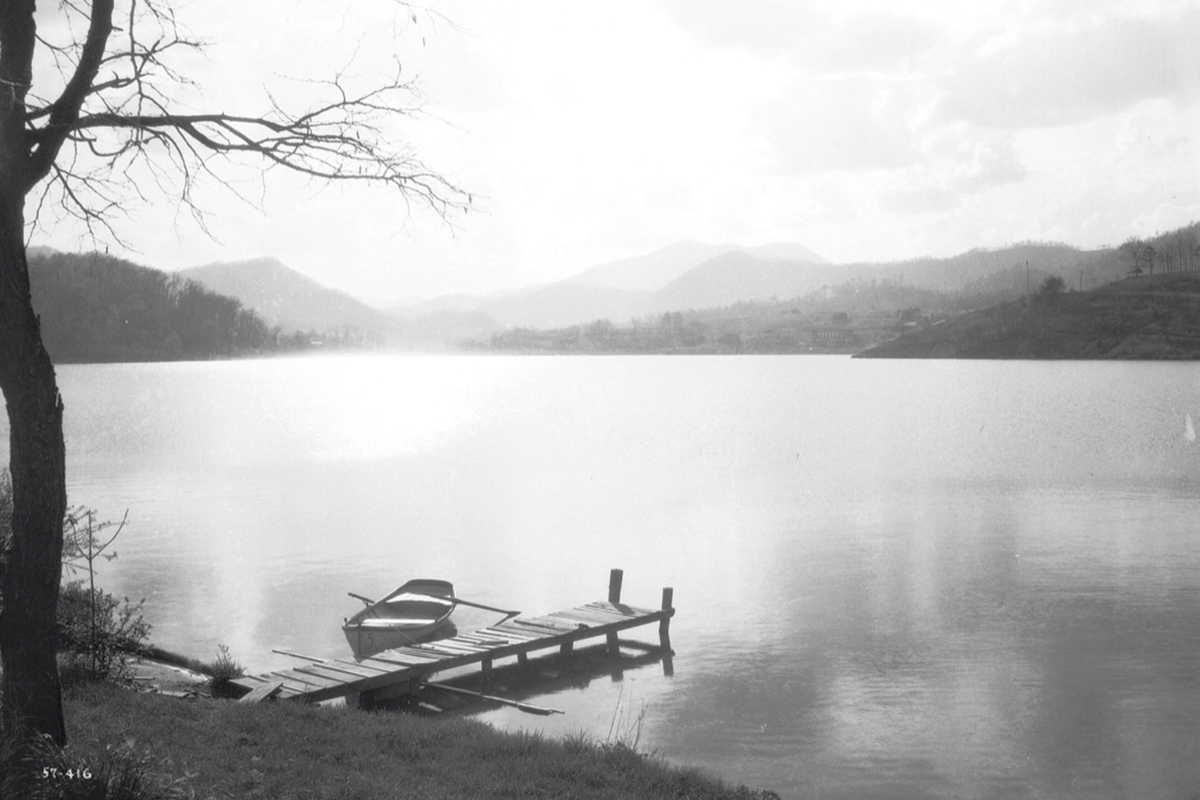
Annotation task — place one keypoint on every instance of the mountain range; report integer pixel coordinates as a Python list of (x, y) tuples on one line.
[(683, 276)]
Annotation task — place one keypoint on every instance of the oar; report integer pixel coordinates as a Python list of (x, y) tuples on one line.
[(297, 655), (528, 708), (366, 600), (508, 614)]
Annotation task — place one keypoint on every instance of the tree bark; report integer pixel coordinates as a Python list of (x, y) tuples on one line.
[(31, 566)]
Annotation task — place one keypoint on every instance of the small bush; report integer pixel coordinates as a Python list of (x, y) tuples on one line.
[(223, 670), (97, 634)]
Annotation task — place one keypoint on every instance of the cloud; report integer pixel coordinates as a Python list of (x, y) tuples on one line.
[(1066, 76), (956, 162), (803, 34), (841, 123)]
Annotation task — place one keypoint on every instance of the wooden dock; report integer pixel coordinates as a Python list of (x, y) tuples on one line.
[(402, 670)]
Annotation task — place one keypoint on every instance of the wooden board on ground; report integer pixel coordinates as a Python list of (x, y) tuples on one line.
[(268, 689)]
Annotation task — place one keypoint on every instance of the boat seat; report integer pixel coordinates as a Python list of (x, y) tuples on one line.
[(393, 622)]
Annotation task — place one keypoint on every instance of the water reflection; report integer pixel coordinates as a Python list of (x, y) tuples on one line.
[(947, 648), (892, 579)]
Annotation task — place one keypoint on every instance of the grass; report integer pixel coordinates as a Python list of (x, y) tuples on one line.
[(207, 748)]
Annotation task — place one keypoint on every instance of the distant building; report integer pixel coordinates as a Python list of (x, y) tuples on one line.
[(833, 337)]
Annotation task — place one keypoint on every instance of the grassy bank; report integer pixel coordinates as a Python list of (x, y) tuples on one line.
[(219, 749)]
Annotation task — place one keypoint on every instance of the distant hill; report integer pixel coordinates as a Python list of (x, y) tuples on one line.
[(1144, 317), (565, 303), (297, 304), (653, 271), (97, 308), (691, 275), (1018, 261), (292, 301), (619, 290), (739, 276)]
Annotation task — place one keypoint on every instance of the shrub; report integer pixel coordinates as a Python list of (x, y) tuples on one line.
[(223, 670), (97, 633)]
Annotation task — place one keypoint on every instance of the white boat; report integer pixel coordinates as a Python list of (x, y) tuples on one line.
[(418, 611)]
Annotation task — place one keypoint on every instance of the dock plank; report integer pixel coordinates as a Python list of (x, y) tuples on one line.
[(443, 651), (387, 657), (290, 685), (412, 652), (547, 623), (620, 609), (306, 680), (515, 631), (266, 690), (591, 620), (492, 641), (459, 645), (356, 668), (316, 672)]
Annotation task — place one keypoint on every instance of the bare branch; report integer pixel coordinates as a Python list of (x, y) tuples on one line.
[(126, 123), (64, 112)]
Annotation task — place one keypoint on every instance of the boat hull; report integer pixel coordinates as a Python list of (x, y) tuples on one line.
[(418, 611)]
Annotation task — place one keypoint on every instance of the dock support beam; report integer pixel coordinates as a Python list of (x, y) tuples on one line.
[(614, 596), (664, 631)]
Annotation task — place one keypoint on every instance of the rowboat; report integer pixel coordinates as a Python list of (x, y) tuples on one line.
[(418, 611)]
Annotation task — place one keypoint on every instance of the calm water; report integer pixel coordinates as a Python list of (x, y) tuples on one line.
[(894, 579)]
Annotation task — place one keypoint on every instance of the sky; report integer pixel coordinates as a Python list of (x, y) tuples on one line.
[(587, 132)]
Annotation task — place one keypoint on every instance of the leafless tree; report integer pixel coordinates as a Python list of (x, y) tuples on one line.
[(100, 124)]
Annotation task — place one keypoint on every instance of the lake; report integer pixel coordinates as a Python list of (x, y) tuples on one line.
[(894, 579)]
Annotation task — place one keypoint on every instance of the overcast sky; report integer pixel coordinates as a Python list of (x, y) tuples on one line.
[(863, 129)]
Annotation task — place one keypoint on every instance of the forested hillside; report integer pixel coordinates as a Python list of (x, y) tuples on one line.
[(1142, 317), (95, 307)]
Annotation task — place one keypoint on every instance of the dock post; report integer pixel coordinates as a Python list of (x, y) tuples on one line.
[(486, 666), (614, 586), (664, 631), (614, 597)]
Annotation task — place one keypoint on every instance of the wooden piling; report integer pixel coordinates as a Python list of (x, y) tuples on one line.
[(615, 578), (664, 625), (664, 630), (614, 586)]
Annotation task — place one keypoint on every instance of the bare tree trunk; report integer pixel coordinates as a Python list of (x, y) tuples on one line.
[(30, 570)]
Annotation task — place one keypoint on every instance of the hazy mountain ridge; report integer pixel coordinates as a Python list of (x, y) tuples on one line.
[(726, 277), (740, 276), (618, 290), (758, 274), (298, 304), (288, 299), (653, 271)]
